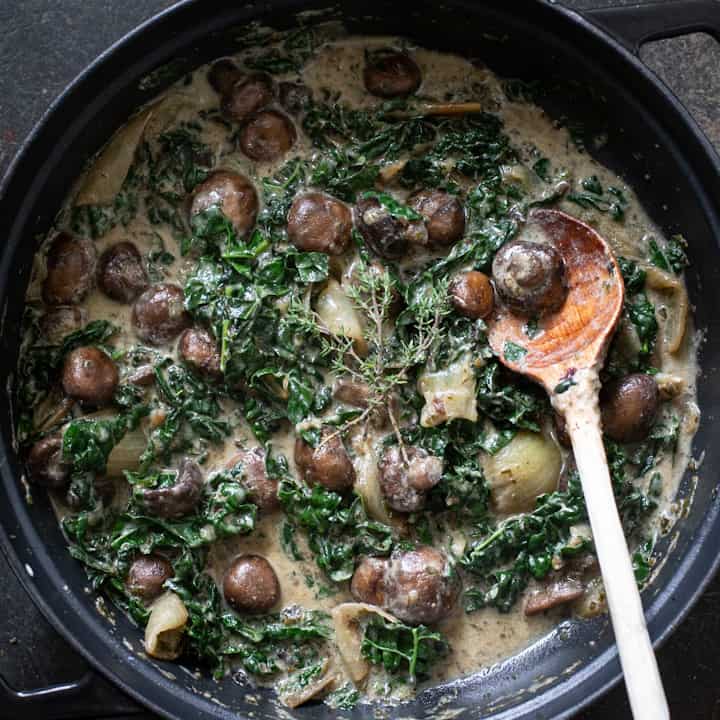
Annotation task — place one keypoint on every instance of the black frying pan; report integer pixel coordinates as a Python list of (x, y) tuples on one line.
[(599, 81)]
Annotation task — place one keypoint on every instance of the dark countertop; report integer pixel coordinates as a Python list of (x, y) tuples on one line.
[(44, 44)]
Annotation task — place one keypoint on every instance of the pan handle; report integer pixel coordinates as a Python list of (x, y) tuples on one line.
[(81, 698), (634, 25)]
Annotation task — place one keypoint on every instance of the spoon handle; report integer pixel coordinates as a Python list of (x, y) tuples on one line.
[(642, 677)]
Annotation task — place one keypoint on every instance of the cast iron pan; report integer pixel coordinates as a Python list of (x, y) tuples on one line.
[(652, 142)]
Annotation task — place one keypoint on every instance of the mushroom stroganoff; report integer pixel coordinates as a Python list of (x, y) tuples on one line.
[(256, 381)]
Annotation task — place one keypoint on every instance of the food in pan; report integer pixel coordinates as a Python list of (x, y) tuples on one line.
[(256, 381)]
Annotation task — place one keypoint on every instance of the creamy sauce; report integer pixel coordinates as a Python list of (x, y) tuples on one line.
[(484, 637)]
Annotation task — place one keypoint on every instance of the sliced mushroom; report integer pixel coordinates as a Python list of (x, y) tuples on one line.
[(554, 594), (178, 499)]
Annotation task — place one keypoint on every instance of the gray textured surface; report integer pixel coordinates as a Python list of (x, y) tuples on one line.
[(43, 45)]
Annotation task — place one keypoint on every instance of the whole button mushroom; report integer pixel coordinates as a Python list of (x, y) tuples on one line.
[(90, 376), (471, 294), (390, 74), (178, 499), (159, 314), (251, 585), (319, 223), (417, 586), (71, 265), (444, 215), (327, 464), (147, 575), (121, 275), (223, 74), (405, 484), (247, 95), (263, 489), (267, 136), (198, 349), (45, 463), (233, 193), (530, 277), (629, 407), (386, 235)]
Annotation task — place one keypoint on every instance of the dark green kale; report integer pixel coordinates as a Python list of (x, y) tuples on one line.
[(592, 195), (192, 412), (337, 528), (508, 399), (671, 257), (641, 313), (506, 556), (409, 652), (269, 644), (633, 276)]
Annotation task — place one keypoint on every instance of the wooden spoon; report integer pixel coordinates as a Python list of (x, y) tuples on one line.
[(565, 357)]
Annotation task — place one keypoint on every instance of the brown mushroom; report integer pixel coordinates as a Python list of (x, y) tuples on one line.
[(267, 136), (327, 464), (389, 73), (90, 376), (159, 314), (530, 277), (70, 270), (444, 215), (629, 407), (121, 275), (45, 463), (319, 223), (178, 499), (251, 585), (471, 294), (247, 95), (416, 586), (405, 484), (147, 575), (223, 74), (233, 193), (198, 349), (386, 235), (263, 489)]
